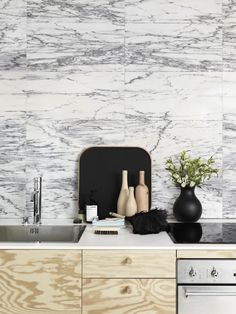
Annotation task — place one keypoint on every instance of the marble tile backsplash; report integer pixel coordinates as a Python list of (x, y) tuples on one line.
[(159, 74)]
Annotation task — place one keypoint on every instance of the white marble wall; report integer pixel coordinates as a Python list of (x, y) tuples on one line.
[(159, 74)]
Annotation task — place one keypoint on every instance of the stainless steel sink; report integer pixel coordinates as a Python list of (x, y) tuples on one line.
[(41, 233)]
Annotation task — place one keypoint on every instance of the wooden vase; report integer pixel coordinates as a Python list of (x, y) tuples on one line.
[(124, 194), (131, 205), (142, 194)]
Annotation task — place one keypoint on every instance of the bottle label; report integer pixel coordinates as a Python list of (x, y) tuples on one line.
[(91, 212)]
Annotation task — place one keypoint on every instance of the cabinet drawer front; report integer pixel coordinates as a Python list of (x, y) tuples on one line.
[(129, 296), (40, 281), (128, 264), (206, 254)]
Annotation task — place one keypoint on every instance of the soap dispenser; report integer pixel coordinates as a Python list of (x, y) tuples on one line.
[(91, 207)]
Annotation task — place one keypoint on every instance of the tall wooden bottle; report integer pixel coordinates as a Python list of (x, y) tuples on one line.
[(142, 194), (124, 194), (131, 205)]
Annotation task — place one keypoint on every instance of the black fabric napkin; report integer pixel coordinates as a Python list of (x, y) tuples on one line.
[(153, 221)]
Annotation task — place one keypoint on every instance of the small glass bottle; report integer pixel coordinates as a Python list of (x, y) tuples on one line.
[(91, 208)]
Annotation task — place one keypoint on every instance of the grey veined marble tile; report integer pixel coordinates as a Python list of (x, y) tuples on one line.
[(13, 8), (229, 194), (91, 11), (229, 144), (82, 95), (12, 36), (46, 136), (87, 106), (172, 11), (12, 82), (86, 82), (229, 47), (229, 84), (165, 138), (67, 44), (173, 47), (178, 96), (12, 154), (229, 11), (184, 83), (229, 96), (229, 108), (13, 118), (229, 35)]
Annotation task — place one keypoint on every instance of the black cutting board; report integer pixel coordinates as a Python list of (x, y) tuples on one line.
[(100, 169)]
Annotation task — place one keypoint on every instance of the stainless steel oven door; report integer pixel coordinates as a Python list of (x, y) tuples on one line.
[(207, 299)]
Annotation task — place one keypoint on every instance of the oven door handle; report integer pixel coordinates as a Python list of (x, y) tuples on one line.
[(189, 293)]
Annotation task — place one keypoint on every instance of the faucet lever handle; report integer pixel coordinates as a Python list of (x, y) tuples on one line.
[(37, 183), (25, 220), (37, 197)]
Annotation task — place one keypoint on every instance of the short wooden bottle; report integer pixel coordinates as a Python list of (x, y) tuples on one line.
[(142, 194), (124, 194), (131, 205)]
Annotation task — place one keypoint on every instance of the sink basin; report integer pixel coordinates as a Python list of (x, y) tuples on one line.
[(41, 233)]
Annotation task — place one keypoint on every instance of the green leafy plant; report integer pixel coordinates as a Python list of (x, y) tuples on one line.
[(187, 172)]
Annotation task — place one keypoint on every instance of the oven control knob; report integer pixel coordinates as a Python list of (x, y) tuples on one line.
[(214, 273), (192, 272)]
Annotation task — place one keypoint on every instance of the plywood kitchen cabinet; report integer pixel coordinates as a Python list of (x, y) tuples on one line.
[(206, 254), (93, 281), (129, 296), (129, 264), (40, 281), (129, 282)]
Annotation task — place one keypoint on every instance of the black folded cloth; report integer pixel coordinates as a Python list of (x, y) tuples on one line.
[(153, 221)]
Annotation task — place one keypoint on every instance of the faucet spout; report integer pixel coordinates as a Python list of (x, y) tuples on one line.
[(37, 199)]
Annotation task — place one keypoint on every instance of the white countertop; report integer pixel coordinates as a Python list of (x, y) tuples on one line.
[(124, 240)]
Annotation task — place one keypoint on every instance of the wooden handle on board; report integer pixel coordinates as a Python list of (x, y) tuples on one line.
[(116, 215), (127, 261), (126, 290)]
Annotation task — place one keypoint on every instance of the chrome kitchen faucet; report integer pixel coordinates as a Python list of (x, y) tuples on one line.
[(37, 198)]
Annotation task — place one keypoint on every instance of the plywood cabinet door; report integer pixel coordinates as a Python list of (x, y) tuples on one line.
[(40, 281), (129, 264), (206, 254), (129, 296)]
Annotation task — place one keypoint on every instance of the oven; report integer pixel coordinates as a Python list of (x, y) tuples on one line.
[(206, 286)]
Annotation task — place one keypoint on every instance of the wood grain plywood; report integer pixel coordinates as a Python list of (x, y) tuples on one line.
[(129, 264), (206, 254), (129, 296), (40, 281)]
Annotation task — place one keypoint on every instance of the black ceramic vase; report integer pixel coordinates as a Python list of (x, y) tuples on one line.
[(187, 207)]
